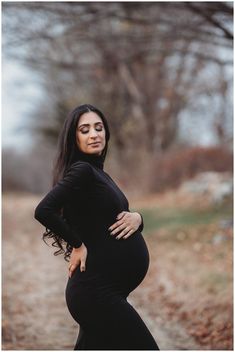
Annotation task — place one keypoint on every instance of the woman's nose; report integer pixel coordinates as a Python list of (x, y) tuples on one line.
[(94, 133)]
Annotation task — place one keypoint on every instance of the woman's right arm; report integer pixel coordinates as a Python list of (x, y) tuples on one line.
[(47, 211)]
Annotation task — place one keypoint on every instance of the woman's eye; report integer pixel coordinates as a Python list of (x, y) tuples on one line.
[(98, 129)]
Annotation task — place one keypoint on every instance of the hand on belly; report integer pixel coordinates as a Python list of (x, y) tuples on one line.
[(127, 223)]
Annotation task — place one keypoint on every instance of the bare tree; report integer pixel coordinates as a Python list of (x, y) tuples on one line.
[(139, 61)]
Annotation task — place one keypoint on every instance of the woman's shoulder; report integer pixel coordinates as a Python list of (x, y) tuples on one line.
[(80, 166), (78, 173), (80, 163)]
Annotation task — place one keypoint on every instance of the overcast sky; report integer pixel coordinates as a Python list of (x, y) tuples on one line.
[(20, 94)]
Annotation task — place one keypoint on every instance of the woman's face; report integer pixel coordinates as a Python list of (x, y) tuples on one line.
[(90, 133)]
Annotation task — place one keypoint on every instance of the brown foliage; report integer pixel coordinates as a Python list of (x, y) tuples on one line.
[(173, 167)]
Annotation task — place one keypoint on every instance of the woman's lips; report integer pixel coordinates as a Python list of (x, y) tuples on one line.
[(94, 144)]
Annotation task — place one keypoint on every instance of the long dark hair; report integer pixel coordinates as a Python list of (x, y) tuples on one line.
[(67, 153)]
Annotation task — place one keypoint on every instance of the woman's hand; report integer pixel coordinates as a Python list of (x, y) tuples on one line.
[(127, 223), (78, 257)]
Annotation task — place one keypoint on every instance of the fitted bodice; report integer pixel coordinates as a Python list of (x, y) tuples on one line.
[(94, 208)]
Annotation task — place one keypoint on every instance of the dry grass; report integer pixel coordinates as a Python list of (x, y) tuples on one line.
[(185, 299)]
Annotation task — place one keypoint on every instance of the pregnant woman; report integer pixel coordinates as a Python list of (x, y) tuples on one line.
[(86, 211)]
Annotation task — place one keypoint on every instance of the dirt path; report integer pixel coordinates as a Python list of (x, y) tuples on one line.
[(35, 316)]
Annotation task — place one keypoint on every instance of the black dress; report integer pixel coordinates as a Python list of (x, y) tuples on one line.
[(97, 297)]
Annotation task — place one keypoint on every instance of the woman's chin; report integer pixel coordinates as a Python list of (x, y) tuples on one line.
[(95, 152)]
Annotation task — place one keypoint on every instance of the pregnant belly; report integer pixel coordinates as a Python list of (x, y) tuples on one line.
[(123, 262), (114, 268)]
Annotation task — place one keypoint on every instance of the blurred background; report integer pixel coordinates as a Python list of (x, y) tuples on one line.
[(162, 74)]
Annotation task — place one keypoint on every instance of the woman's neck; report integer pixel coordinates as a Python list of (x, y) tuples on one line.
[(94, 159)]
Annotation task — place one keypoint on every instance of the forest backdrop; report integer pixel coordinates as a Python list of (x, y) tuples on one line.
[(162, 74), (160, 71)]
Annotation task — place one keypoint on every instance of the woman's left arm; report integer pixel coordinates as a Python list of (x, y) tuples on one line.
[(128, 223)]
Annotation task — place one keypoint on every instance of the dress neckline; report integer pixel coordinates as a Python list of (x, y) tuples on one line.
[(94, 159)]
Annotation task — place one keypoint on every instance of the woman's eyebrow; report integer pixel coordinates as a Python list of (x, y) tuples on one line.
[(87, 124)]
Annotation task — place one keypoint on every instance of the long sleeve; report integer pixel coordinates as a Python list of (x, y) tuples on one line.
[(47, 211)]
